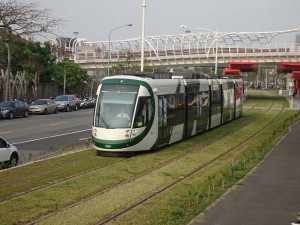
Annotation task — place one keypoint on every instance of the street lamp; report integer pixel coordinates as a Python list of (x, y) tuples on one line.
[(65, 78), (143, 35), (109, 53)]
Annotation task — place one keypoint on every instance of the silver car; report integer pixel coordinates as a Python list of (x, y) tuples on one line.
[(67, 102), (43, 106), (9, 156)]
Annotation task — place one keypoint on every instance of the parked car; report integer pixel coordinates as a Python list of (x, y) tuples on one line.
[(12, 109), (43, 106), (9, 156), (66, 102)]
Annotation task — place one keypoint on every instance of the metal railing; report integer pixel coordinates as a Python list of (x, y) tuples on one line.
[(275, 53), (192, 49)]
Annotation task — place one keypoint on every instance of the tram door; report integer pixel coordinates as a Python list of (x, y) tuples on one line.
[(238, 98), (171, 114), (197, 118), (228, 100), (216, 104)]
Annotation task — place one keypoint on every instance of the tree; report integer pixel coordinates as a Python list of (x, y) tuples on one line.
[(30, 63), (127, 64), (75, 76), (34, 63), (21, 21)]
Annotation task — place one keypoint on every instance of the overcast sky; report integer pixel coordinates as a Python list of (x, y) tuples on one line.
[(94, 19)]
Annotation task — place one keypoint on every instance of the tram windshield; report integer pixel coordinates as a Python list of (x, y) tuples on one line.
[(115, 105)]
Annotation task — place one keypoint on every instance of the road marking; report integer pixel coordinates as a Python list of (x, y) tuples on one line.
[(82, 139), (43, 138), (53, 124), (6, 132)]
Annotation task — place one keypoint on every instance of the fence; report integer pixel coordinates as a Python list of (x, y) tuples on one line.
[(45, 90)]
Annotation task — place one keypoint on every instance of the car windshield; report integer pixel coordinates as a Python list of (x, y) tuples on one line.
[(61, 98), (6, 104), (40, 102)]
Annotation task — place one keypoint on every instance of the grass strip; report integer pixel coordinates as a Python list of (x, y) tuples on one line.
[(116, 199), (186, 200), (56, 173), (44, 165), (54, 198)]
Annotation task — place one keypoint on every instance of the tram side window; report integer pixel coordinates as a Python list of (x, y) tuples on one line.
[(216, 102), (143, 112)]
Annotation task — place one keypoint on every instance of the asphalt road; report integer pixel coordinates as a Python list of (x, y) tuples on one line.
[(39, 134)]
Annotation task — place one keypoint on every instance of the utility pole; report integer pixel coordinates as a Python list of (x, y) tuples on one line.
[(143, 36), (65, 77)]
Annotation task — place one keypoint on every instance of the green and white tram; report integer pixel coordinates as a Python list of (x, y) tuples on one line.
[(134, 113)]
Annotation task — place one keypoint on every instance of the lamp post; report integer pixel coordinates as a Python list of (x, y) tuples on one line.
[(109, 53), (143, 36), (65, 78)]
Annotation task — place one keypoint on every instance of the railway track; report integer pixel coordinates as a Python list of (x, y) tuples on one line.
[(48, 184), (154, 169), (54, 168), (181, 178), (46, 171), (145, 173)]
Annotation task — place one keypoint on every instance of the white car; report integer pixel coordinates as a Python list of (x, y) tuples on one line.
[(43, 106), (9, 156)]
